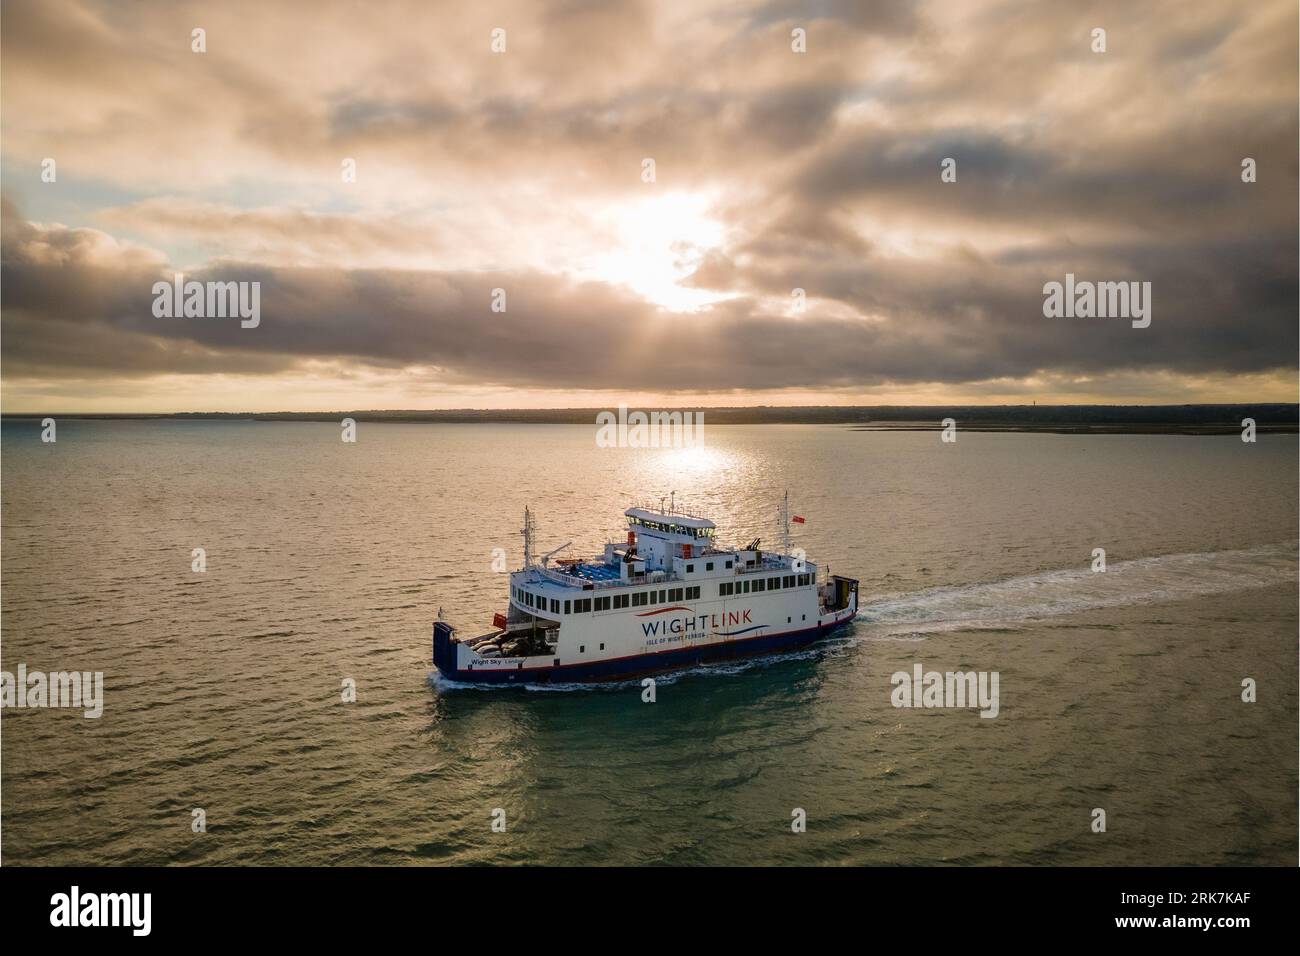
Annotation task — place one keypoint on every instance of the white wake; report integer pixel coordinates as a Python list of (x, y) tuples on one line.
[(1170, 577)]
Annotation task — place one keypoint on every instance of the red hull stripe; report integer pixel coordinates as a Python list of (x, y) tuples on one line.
[(663, 610)]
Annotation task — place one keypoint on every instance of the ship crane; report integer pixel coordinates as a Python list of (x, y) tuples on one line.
[(550, 554)]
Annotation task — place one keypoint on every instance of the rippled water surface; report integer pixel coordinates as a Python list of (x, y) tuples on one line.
[(328, 561)]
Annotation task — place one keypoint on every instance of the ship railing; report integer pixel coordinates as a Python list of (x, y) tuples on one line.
[(559, 577), (769, 564), (669, 511), (781, 563), (575, 581)]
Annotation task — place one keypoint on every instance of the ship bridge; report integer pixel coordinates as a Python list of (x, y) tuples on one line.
[(662, 537)]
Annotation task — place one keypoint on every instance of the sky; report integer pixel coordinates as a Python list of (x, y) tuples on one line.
[(524, 169)]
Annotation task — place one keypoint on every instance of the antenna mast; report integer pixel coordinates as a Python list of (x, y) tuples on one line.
[(529, 532), (784, 517)]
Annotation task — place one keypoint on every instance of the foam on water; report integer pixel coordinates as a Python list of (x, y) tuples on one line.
[(1169, 577)]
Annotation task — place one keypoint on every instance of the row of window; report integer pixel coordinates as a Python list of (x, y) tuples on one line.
[(661, 596), (671, 528), (708, 566), (579, 606), (753, 586)]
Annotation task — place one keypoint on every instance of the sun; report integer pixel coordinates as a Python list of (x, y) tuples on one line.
[(657, 242)]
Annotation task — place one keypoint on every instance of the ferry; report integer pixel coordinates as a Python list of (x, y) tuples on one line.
[(670, 597)]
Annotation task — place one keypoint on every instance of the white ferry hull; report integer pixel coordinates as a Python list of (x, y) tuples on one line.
[(623, 646)]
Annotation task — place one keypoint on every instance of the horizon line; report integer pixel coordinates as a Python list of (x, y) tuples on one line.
[(572, 409)]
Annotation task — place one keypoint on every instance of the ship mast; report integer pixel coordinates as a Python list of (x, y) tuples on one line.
[(783, 514), (529, 532)]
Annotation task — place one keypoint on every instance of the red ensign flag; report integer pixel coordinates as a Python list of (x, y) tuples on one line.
[(797, 519)]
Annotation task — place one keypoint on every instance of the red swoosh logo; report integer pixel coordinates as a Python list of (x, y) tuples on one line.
[(663, 610)]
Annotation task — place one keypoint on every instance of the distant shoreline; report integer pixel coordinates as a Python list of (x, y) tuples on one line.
[(1135, 428), (1270, 417)]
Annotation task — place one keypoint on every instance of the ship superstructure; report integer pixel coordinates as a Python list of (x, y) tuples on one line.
[(668, 597)]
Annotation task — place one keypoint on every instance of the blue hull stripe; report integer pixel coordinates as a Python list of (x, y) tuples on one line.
[(621, 668)]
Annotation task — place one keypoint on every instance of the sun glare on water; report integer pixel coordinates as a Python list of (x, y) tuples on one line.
[(694, 461)]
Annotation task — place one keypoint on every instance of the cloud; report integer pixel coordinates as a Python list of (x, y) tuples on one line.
[(817, 171), (76, 299)]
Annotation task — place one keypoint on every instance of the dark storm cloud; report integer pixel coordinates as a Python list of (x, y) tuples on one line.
[(71, 303), (1190, 181)]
